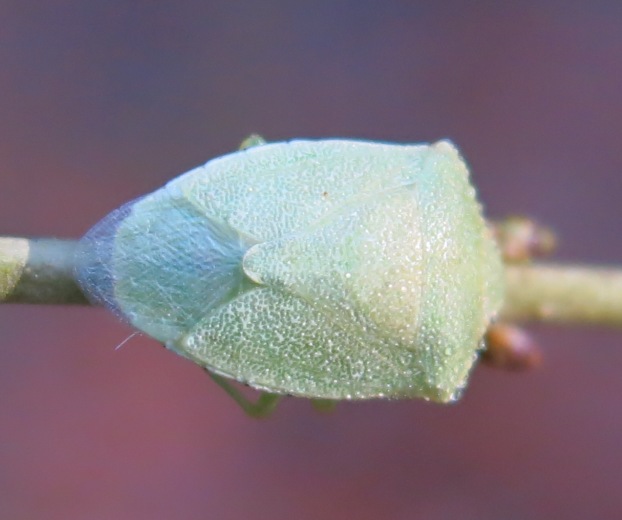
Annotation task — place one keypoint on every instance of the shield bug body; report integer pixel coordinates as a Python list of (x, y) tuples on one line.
[(331, 269)]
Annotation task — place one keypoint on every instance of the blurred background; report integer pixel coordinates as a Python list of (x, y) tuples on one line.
[(102, 101)]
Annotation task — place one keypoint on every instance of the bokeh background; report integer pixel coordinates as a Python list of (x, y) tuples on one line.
[(101, 101)]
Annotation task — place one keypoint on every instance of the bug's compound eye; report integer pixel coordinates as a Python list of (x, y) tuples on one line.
[(510, 347)]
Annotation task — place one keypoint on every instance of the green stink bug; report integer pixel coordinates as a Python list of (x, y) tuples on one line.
[(329, 269)]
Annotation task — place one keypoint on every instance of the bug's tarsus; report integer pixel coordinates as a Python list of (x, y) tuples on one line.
[(251, 141), (262, 407), (324, 405)]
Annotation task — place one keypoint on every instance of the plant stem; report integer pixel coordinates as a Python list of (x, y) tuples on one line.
[(41, 271), (560, 293), (38, 271)]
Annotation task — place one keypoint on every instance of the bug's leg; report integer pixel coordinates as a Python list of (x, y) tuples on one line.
[(510, 347), (520, 239), (264, 406), (324, 405), (251, 141)]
